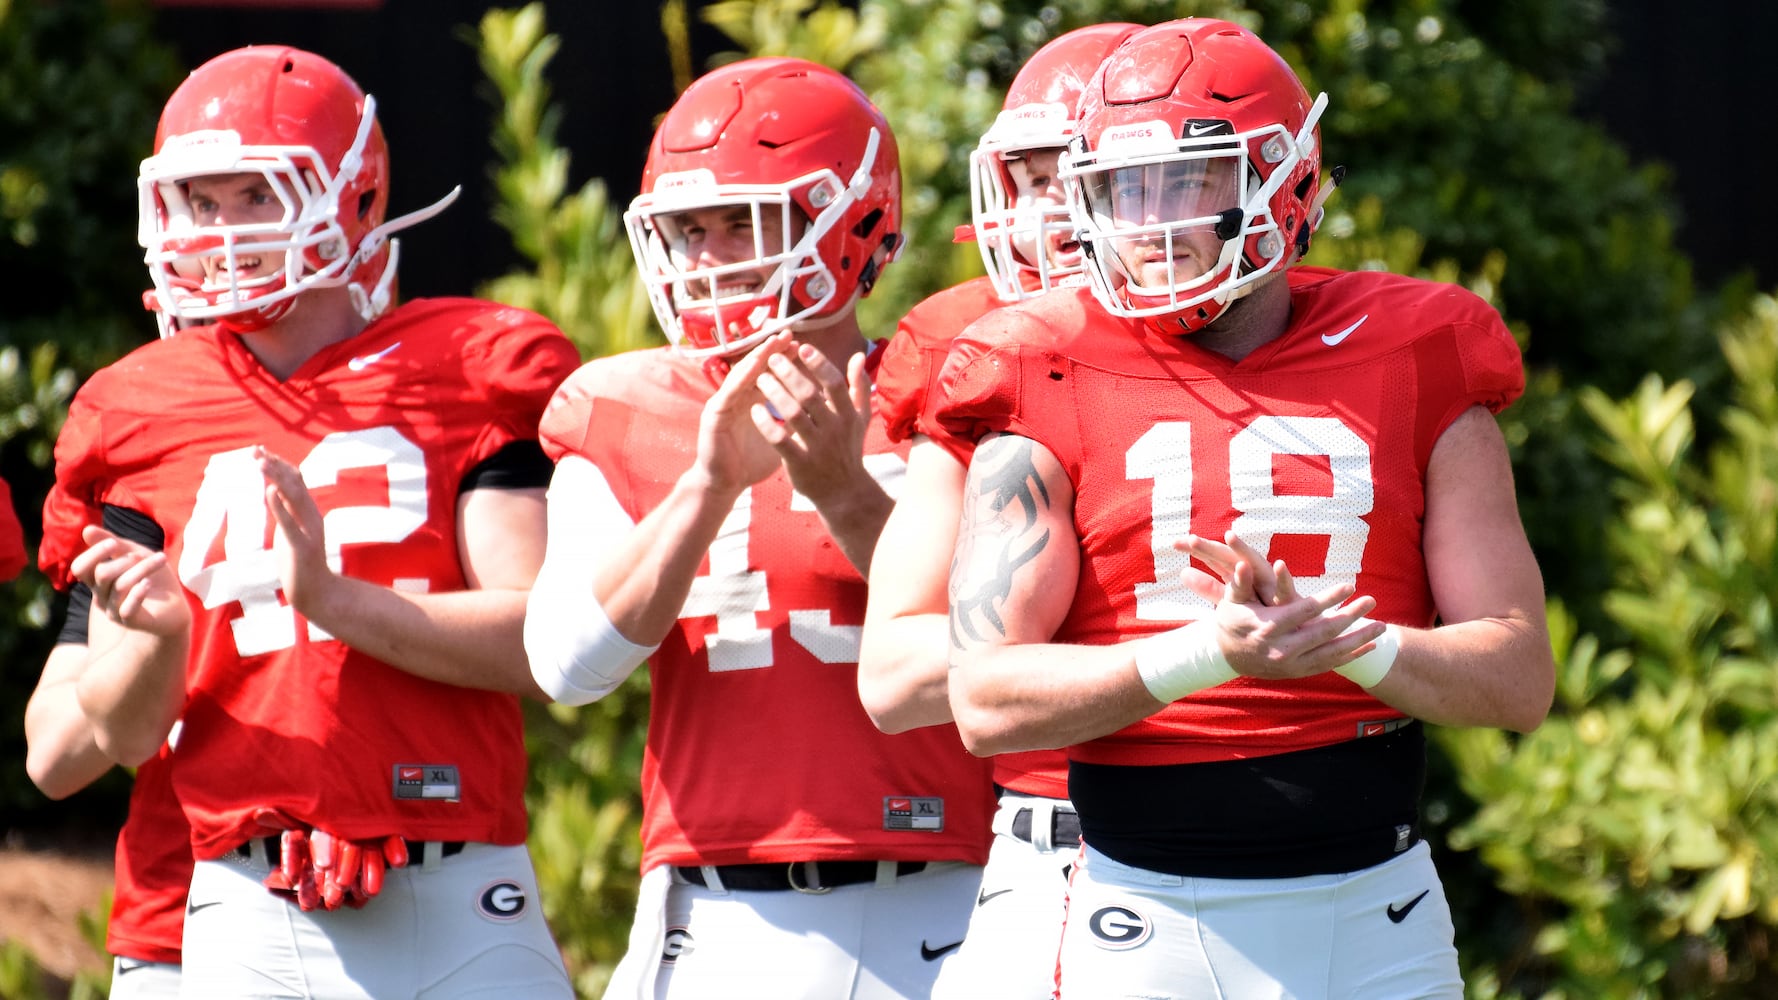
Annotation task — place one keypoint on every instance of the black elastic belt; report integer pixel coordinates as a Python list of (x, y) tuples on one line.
[(1064, 826), (802, 876), (274, 849), (1325, 810)]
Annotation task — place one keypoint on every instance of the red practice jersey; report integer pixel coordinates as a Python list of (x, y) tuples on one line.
[(758, 748), (153, 869), (907, 397), (1313, 449), (12, 536), (384, 426)]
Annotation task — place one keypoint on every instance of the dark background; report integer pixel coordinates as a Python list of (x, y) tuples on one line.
[(1692, 92)]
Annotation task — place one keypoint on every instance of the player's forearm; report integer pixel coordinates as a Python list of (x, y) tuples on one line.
[(60, 768), (1489, 672), (61, 756), (903, 673), (855, 520), (467, 638), (644, 583), (904, 665), (1008, 698), (132, 692)]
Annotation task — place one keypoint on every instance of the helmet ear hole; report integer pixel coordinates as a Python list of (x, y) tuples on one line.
[(365, 202), (868, 224), (867, 279)]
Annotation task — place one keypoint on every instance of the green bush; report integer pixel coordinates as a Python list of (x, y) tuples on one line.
[(1639, 823), (582, 274), (79, 97), (586, 763)]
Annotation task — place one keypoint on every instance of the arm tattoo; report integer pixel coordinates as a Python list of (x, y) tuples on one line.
[(1002, 477)]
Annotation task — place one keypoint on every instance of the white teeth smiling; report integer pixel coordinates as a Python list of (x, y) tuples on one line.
[(246, 269)]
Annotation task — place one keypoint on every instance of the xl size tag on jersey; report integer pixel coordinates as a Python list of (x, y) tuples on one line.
[(1381, 728), (427, 781), (902, 812)]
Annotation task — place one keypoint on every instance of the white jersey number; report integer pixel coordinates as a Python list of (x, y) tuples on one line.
[(1163, 454), (231, 504), (732, 592)]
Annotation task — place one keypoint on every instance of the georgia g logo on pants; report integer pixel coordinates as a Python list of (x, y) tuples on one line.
[(503, 901), (1117, 928)]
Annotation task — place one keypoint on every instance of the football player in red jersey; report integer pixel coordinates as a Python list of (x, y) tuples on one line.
[(1020, 221), (351, 499), (713, 511), (1247, 782)]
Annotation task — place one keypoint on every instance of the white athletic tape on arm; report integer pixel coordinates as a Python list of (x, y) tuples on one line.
[(1183, 661), (585, 658), (577, 656), (1369, 670)]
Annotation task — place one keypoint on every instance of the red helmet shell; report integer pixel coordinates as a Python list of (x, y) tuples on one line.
[(772, 132)]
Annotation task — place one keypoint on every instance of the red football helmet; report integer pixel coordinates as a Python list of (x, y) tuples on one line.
[(804, 154), (1193, 132), (302, 124), (1038, 114)]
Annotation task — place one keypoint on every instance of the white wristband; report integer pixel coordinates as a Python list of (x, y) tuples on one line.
[(1369, 670), (1183, 661)]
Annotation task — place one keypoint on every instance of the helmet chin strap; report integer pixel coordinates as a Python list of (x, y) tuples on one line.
[(1335, 178), (371, 305), (830, 317), (373, 241), (256, 319)]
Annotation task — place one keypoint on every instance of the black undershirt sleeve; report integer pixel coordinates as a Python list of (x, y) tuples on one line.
[(123, 522), (519, 465)]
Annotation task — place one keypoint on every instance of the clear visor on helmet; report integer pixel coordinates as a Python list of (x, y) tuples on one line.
[(731, 268), (1166, 227), (1173, 221)]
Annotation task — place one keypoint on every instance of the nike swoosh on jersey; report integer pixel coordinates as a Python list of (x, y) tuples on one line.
[(1397, 916), (364, 361), (1330, 339), (193, 906), (933, 954), (982, 899)]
